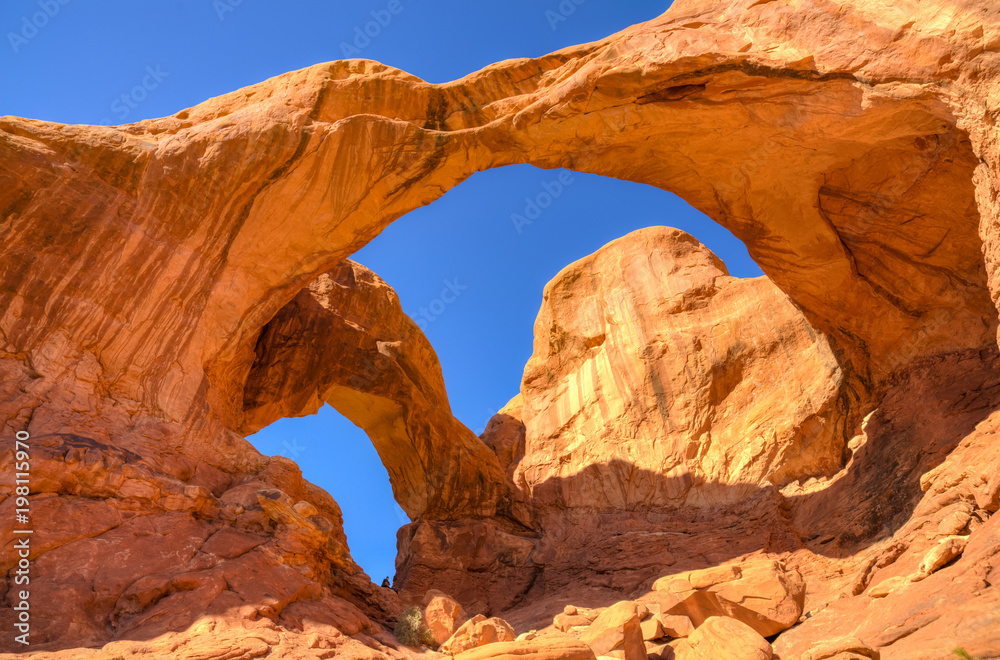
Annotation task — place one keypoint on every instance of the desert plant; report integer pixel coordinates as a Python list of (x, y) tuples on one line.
[(963, 654), (410, 629)]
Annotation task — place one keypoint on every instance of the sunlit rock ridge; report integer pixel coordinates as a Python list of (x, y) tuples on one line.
[(822, 440)]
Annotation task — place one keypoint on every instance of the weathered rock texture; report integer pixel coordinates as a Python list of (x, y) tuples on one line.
[(658, 383), (724, 638), (124, 550), (657, 380), (918, 479), (149, 271), (345, 340), (442, 615), (761, 594)]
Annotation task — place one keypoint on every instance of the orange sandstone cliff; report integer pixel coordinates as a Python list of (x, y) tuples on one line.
[(820, 441)]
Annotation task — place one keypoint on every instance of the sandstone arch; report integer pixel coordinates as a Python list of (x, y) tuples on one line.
[(344, 340), (143, 262), (780, 149)]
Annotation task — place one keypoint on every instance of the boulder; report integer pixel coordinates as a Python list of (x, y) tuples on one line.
[(759, 592), (573, 616), (659, 650), (675, 625), (722, 638), (699, 579), (443, 615), (478, 631), (651, 629), (946, 550), (549, 648), (617, 627)]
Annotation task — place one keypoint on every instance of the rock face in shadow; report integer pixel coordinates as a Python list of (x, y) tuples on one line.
[(147, 274)]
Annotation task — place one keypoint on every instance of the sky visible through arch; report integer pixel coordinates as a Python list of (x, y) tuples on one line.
[(81, 62)]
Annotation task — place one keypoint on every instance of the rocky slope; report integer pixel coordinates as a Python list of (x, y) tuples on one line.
[(157, 280)]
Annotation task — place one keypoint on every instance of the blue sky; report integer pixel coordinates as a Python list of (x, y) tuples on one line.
[(97, 62)]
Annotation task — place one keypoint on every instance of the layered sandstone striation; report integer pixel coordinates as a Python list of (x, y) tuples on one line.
[(657, 380), (913, 485), (169, 285)]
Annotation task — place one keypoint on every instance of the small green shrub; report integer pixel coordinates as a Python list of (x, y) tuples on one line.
[(963, 654), (410, 629)]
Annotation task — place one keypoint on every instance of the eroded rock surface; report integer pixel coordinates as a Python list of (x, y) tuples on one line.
[(148, 270), (130, 552), (443, 615), (656, 396), (720, 637), (476, 632), (763, 594), (344, 340), (658, 380)]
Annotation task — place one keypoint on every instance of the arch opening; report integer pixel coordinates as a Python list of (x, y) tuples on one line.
[(337, 456), (347, 341)]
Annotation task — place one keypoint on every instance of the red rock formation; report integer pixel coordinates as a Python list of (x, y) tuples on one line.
[(724, 638), (789, 177), (657, 384), (546, 649), (478, 631), (442, 615), (852, 146), (345, 340), (761, 594), (124, 550), (658, 380)]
